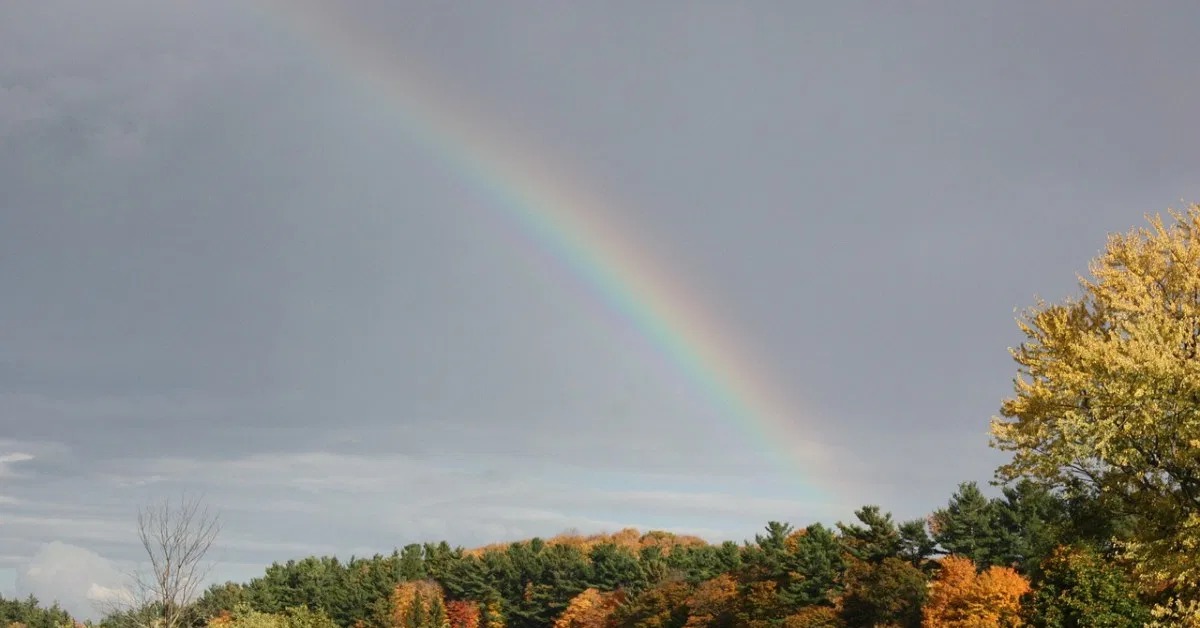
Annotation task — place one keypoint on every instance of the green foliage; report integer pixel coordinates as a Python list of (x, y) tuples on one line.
[(916, 545), (885, 593), (965, 527), (242, 616), (28, 612), (876, 539), (1078, 588), (1029, 521), (815, 564)]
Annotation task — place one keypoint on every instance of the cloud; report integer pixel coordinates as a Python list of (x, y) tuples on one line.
[(7, 460), (80, 580), (103, 596)]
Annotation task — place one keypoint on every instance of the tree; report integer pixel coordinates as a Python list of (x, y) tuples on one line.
[(873, 541), (1029, 522), (661, 606), (176, 539), (814, 566), (888, 593), (242, 616), (463, 614), (961, 598), (418, 604), (713, 603), (1108, 393), (965, 526), (814, 617), (590, 609), (915, 543), (28, 613), (1079, 588)]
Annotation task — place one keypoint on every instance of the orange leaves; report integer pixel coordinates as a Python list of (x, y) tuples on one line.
[(463, 614), (960, 598), (224, 619), (590, 609)]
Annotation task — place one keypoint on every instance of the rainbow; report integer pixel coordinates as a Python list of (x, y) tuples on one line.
[(559, 212)]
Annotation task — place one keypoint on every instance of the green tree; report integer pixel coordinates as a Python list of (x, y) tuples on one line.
[(888, 593), (1029, 521), (615, 567), (1078, 588), (875, 539), (916, 546), (966, 525), (814, 567), (30, 613), (661, 606)]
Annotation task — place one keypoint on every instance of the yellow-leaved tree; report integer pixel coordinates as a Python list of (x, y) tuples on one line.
[(1108, 394)]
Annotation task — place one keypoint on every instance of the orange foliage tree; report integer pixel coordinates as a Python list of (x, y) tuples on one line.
[(463, 614), (962, 598), (589, 609)]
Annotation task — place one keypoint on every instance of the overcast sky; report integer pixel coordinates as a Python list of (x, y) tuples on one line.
[(228, 266)]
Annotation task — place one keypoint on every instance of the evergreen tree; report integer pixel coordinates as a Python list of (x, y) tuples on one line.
[(966, 526)]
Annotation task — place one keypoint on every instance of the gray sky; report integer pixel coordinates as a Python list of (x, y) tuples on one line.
[(227, 266)]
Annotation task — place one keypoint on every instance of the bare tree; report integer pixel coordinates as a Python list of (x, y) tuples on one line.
[(176, 538)]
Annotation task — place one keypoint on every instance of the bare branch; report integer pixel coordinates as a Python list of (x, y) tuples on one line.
[(176, 539)]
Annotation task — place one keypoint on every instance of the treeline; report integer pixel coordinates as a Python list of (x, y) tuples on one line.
[(1031, 556), (29, 613)]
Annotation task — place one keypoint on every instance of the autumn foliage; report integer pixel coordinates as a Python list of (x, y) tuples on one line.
[(590, 609), (463, 614), (962, 598), (419, 604), (627, 538)]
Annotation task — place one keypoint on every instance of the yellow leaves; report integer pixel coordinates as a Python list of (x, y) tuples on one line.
[(711, 600), (814, 617), (420, 602), (960, 598), (243, 616), (628, 538), (1103, 375), (1176, 613)]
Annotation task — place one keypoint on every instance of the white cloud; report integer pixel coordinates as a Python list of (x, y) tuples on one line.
[(101, 595), (77, 578)]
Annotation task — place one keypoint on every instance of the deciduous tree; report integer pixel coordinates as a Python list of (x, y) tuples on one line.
[(961, 598), (1108, 392), (1078, 587), (176, 538)]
